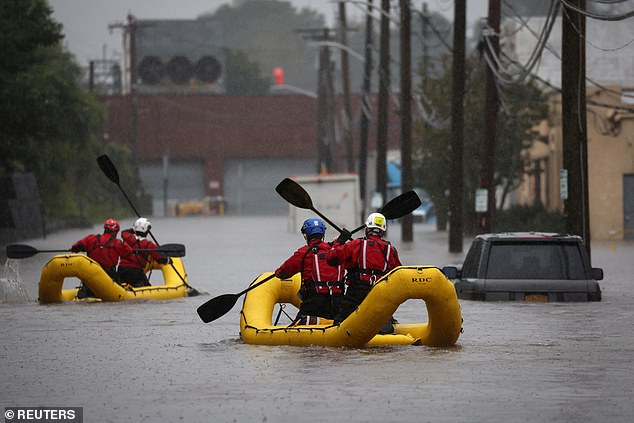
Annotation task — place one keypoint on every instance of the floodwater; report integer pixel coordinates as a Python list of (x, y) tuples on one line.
[(157, 362)]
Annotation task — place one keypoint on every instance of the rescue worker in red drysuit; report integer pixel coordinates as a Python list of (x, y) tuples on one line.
[(366, 260), (105, 249), (132, 267), (322, 284)]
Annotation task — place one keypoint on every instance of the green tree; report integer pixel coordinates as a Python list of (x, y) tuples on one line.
[(243, 76), (522, 107), (265, 31), (27, 30), (48, 125)]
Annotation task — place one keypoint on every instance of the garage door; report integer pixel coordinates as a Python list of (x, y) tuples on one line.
[(185, 182), (249, 184)]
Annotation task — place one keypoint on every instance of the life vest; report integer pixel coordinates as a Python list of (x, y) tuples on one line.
[(140, 259), (372, 261), (105, 253), (326, 279)]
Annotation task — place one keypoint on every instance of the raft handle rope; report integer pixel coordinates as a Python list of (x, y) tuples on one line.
[(285, 329), (279, 314)]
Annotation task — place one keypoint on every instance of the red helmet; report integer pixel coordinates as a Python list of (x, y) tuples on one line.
[(111, 225)]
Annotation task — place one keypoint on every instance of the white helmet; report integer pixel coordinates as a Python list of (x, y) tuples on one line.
[(142, 226), (376, 221)]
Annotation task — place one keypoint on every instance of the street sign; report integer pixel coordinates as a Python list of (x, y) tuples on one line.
[(563, 184), (481, 200)]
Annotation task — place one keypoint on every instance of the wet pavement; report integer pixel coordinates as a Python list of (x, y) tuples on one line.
[(157, 362)]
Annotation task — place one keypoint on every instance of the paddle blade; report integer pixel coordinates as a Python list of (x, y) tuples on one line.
[(292, 192), (171, 250), (108, 168), (401, 205), (193, 292), (18, 251), (217, 307)]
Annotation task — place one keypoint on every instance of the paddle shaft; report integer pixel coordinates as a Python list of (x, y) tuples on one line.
[(399, 206), (268, 278), (221, 305), (26, 251), (111, 172), (335, 227), (295, 194)]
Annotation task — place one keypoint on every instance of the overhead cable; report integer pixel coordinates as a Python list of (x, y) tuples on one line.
[(597, 16)]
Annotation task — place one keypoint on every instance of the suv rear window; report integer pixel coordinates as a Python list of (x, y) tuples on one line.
[(535, 260), (472, 262)]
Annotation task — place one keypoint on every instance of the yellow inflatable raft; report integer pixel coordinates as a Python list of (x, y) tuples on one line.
[(97, 280), (444, 318)]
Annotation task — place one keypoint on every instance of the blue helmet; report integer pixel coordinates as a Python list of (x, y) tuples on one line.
[(313, 226)]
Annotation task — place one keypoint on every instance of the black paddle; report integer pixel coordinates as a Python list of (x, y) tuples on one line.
[(109, 169), (397, 207), (20, 251), (221, 305), (292, 192)]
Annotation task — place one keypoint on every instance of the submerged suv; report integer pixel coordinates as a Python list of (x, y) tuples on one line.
[(527, 266)]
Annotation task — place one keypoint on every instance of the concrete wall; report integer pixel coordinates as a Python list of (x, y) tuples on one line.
[(20, 208), (610, 158)]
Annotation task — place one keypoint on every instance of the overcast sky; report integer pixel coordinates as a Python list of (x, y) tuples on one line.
[(88, 37)]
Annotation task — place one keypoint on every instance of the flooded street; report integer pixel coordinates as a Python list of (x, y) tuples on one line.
[(157, 362)]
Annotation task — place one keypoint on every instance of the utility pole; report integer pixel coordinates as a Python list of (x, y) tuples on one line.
[(407, 180), (423, 22), (325, 100), (487, 144), (365, 110), (345, 85), (129, 46), (326, 109), (384, 86), (574, 120), (104, 76), (129, 50), (457, 128), (132, 25)]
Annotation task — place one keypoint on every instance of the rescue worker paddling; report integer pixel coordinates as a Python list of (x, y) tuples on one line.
[(322, 284), (366, 260), (105, 249), (132, 267)]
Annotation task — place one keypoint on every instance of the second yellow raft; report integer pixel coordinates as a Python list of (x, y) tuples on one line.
[(443, 326), (97, 280)]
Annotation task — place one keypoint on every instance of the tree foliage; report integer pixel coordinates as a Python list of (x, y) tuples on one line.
[(243, 76), (522, 106), (265, 32), (48, 125)]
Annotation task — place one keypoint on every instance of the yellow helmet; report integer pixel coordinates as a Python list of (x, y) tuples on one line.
[(376, 221)]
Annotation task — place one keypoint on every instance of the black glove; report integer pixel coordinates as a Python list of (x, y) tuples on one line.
[(345, 236), (75, 248), (165, 260), (280, 274)]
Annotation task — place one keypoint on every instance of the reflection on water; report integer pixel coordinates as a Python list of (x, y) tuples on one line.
[(157, 362)]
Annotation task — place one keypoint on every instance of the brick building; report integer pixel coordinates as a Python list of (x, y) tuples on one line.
[(235, 147)]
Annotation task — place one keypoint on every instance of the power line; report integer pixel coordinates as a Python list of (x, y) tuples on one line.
[(505, 75), (548, 47), (597, 16), (572, 23)]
